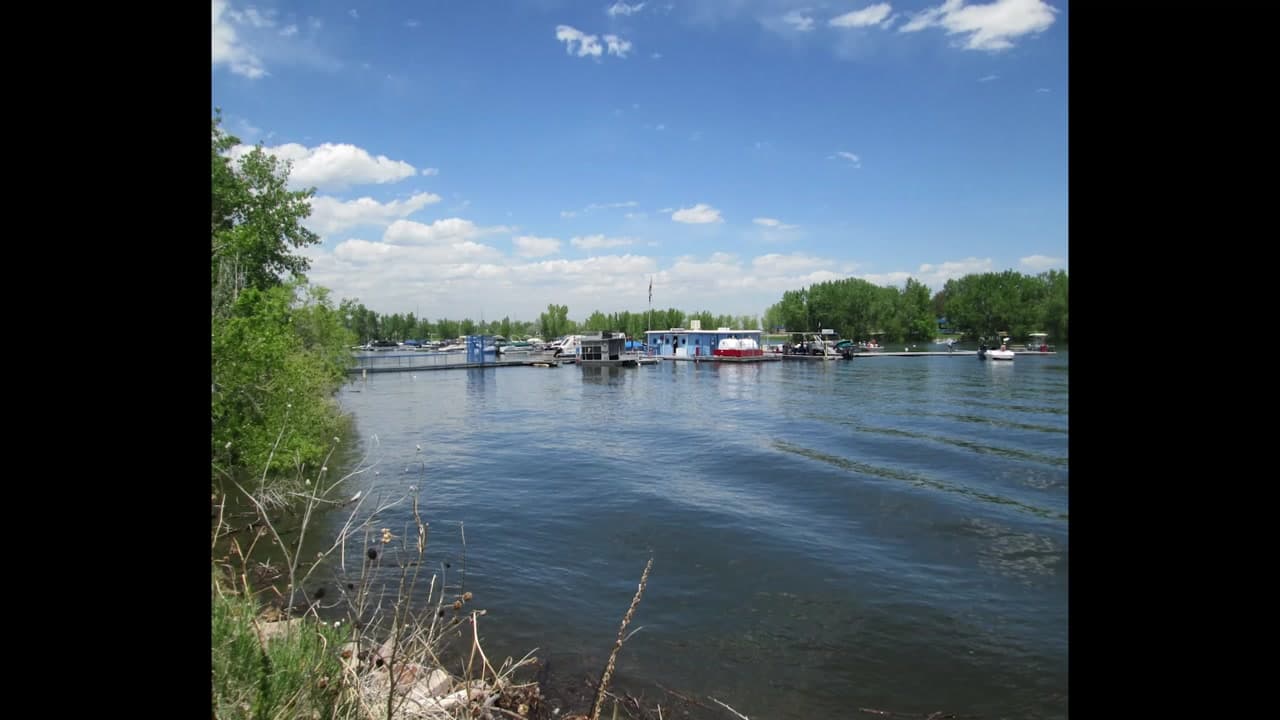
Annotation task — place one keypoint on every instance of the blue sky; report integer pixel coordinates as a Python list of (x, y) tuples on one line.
[(481, 159)]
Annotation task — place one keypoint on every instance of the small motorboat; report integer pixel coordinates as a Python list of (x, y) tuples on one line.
[(1000, 354)]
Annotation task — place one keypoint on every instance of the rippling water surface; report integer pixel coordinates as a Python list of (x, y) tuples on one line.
[(882, 532)]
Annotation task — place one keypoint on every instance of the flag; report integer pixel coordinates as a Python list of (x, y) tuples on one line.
[(651, 288)]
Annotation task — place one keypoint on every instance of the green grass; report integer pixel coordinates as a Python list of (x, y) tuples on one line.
[(298, 676)]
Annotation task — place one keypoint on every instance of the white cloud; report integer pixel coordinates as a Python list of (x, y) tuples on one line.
[(411, 23), (929, 17), (621, 8), (592, 242), (568, 213), (440, 232), (897, 279), (1042, 90), (852, 158), (661, 126), (401, 262), (698, 214), (988, 78), (1040, 263), (990, 27), (798, 20), (587, 44), (529, 246), (330, 215), (617, 46), (457, 278), (334, 165), (871, 15), (352, 12), (935, 276), (656, 56), (430, 171), (635, 215), (774, 264), (289, 30), (773, 223), (253, 18), (228, 49)]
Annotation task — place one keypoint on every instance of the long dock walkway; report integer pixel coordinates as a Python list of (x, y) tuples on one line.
[(922, 353), (382, 362)]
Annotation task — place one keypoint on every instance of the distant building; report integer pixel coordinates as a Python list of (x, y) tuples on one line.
[(695, 343)]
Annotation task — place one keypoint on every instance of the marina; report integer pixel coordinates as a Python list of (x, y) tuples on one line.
[(613, 349)]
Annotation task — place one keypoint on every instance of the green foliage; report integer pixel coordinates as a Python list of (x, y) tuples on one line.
[(555, 321), (298, 675), (275, 368), (915, 313), (256, 221), (988, 304), (978, 305), (279, 347), (1054, 310)]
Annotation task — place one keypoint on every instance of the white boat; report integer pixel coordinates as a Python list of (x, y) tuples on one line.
[(1000, 355)]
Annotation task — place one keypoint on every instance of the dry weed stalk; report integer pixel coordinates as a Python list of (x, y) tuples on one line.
[(617, 645)]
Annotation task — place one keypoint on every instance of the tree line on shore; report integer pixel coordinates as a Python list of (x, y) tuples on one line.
[(976, 306)]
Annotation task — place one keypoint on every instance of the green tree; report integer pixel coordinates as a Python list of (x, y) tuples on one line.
[(279, 347), (256, 221), (915, 311)]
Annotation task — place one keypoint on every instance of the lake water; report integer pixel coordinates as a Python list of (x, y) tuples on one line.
[(887, 533)]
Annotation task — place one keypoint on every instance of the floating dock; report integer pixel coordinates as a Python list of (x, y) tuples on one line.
[(909, 353), (383, 362), (415, 361)]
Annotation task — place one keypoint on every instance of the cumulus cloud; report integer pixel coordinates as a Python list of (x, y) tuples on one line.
[(617, 46), (1040, 263), (935, 276), (698, 214), (334, 165), (584, 45), (991, 27), (446, 276), (330, 215), (447, 230), (228, 48), (529, 246)]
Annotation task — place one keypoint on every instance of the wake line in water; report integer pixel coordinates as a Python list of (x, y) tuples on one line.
[(966, 444), (981, 420), (914, 479)]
